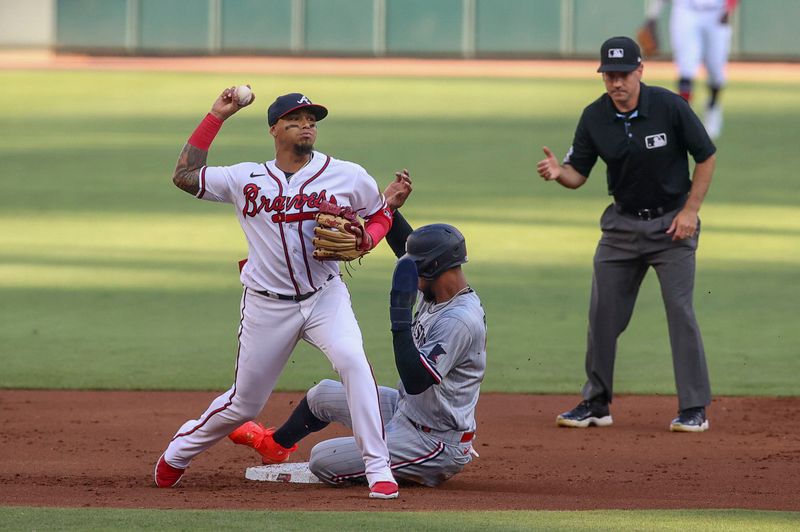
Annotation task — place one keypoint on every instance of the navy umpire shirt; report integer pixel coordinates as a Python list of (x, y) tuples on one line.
[(645, 150)]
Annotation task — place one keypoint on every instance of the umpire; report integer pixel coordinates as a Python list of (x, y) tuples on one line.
[(643, 134)]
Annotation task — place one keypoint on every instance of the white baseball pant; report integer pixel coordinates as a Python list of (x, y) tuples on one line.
[(698, 36), (268, 333)]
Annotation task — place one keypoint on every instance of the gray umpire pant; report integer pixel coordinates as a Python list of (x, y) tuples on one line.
[(627, 248)]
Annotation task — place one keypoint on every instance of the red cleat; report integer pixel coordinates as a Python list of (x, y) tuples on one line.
[(259, 438), (384, 490), (165, 475), (247, 434)]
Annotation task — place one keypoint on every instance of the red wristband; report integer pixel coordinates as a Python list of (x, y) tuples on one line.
[(378, 225), (205, 132)]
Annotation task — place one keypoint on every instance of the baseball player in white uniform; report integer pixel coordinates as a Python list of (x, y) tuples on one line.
[(288, 295), (440, 355), (700, 32)]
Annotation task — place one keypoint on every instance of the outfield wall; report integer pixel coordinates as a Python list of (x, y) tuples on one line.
[(27, 23), (443, 28)]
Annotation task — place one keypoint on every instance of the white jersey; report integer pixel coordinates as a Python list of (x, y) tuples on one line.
[(277, 215), (451, 338), (718, 6), (702, 5)]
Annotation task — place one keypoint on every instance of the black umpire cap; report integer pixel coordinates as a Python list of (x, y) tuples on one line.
[(283, 105), (619, 54)]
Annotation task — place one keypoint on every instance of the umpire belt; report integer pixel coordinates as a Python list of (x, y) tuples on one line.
[(298, 297), (650, 213), (446, 436)]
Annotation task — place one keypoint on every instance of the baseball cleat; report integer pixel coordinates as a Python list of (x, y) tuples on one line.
[(259, 438), (713, 121), (384, 490), (586, 414), (247, 434), (690, 420), (165, 475)]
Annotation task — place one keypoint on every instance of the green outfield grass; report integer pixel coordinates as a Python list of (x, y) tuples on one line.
[(661, 520), (112, 278)]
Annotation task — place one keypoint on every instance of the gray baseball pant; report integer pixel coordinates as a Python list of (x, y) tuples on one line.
[(627, 248), (416, 456)]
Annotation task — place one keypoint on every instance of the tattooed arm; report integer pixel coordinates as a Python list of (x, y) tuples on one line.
[(187, 171), (195, 152)]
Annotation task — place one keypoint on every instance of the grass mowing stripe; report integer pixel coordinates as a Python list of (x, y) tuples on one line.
[(601, 520), (103, 261), (94, 348)]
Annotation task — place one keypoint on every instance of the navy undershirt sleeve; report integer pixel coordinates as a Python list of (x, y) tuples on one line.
[(415, 377), (398, 234)]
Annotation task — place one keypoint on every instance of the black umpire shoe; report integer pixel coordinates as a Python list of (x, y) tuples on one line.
[(587, 413), (690, 420)]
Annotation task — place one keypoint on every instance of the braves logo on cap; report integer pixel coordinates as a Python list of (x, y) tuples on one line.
[(303, 99), (616, 53)]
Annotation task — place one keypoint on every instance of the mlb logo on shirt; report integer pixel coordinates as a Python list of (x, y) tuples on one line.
[(616, 53), (659, 140)]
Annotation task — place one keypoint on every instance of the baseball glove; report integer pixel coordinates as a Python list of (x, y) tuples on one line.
[(647, 35), (340, 234)]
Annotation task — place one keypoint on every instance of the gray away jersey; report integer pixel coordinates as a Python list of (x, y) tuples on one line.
[(451, 339)]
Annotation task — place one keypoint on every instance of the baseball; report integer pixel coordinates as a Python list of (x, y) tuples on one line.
[(243, 94)]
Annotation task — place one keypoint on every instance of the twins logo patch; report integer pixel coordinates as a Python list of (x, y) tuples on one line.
[(659, 140), (436, 352)]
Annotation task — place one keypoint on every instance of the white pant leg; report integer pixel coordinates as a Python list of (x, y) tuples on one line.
[(332, 327), (718, 45), (268, 332), (686, 39)]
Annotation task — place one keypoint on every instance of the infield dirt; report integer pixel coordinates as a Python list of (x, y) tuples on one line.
[(383, 67), (97, 449)]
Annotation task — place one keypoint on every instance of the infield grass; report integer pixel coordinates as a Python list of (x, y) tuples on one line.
[(656, 520), (111, 278)]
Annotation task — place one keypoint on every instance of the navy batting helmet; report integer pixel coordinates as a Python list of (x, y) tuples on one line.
[(436, 248)]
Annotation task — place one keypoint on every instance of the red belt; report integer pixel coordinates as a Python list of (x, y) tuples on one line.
[(466, 437)]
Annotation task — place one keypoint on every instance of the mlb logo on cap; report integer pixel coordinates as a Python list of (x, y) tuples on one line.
[(619, 54)]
